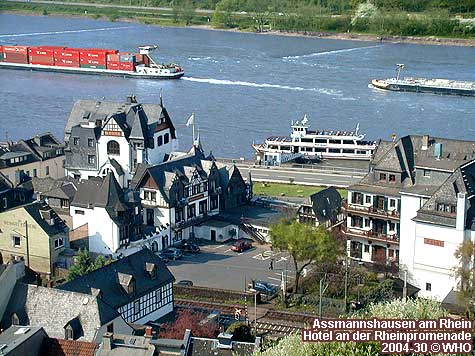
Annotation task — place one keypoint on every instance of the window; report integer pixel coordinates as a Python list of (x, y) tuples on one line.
[(367, 223), (75, 141), (214, 203), (191, 211), (356, 221), (91, 159), (366, 248), (15, 320), (90, 142), (159, 140), (178, 214), (68, 333), (35, 172), (368, 199), (382, 176), (391, 253), (5, 203), (392, 203), (47, 170), (58, 243), (113, 148), (426, 173), (392, 178), (391, 226), (136, 307), (149, 195), (110, 328), (166, 138), (428, 287), (16, 241), (79, 212), (203, 207), (357, 198)]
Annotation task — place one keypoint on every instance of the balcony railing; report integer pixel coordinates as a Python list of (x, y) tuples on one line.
[(370, 210), (370, 234)]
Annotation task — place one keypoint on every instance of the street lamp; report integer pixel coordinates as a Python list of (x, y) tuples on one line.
[(255, 307)]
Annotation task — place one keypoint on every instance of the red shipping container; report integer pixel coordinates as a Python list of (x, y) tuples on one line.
[(92, 62), (113, 65), (15, 49), (112, 58), (92, 55), (15, 57), (52, 48), (35, 51), (42, 60), (127, 66), (67, 63), (66, 53)]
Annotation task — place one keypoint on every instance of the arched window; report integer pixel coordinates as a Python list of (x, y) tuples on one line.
[(166, 138), (113, 148), (159, 140)]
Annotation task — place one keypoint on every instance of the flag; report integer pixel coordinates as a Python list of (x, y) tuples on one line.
[(191, 120)]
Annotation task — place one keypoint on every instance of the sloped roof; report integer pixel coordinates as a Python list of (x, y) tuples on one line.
[(106, 278), (325, 204), (100, 192), (62, 347), (461, 181), (55, 308)]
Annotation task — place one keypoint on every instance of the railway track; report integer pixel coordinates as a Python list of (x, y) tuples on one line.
[(275, 328), (223, 308)]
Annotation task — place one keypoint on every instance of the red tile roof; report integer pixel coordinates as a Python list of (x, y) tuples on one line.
[(61, 347)]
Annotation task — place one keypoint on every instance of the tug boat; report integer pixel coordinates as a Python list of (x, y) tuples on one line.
[(93, 61), (324, 144)]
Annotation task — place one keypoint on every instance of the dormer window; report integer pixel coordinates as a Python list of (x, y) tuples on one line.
[(75, 141), (68, 332), (392, 178), (15, 319), (151, 270), (382, 176), (127, 282)]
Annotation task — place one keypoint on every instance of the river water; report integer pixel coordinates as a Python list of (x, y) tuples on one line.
[(241, 87)]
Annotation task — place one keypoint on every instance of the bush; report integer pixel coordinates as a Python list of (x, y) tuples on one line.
[(241, 332)]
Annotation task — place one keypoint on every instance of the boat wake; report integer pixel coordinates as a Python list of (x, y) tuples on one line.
[(66, 31), (316, 54), (261, 85)]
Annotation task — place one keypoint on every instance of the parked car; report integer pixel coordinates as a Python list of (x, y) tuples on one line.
[(185, 283), (189, 246), (241, 245), (172, 253), (265, 288), (164, 258)]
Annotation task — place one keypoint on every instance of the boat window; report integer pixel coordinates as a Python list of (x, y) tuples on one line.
[(309, 140), (334, 150), (348, 151), (320, 141), (335, 141), (320, 149), (348, 142)]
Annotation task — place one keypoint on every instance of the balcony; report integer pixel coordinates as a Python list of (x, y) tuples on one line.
[(371, 211), (372, 235), (190, 222)]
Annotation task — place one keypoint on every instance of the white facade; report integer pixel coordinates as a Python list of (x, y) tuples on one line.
[(150, 306), (102, 230), (427, 250)]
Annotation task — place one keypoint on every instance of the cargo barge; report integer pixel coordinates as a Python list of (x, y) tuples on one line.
[(422, 85), (88, 61)]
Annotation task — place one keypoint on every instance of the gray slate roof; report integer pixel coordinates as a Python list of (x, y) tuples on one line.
[(325, 204), (100, 192), (54, 308), (107, 279)]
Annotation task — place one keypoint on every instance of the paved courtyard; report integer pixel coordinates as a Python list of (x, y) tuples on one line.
[(219, 267)]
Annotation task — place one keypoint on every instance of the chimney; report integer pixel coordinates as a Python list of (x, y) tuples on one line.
[(37, 140), (131, 99), (148, 332), (107, 341), (425, 142), (461, 212), (438, 151)]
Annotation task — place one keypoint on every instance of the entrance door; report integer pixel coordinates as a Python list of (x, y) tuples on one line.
[(150, 219), (213, 235)]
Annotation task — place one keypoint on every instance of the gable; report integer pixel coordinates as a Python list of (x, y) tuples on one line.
[(112, 128), (149, 182)]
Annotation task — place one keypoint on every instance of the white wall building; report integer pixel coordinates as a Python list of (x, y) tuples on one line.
[(104, 137), (110, 216), (416, 205)]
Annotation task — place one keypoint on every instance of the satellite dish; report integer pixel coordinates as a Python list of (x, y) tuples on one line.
[(85, 301)]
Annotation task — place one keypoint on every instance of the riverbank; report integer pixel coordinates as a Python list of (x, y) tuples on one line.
[(163, 18)]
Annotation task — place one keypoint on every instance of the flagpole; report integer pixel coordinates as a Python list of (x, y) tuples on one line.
[(193, 129)]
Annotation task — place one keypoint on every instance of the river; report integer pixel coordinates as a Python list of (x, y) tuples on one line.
[(241, 86)]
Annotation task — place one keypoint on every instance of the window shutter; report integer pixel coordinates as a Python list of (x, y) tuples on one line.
[(375, 201), (399, 205), (385, 203), (385, 228)]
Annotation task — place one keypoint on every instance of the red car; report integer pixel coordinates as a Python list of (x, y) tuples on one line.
[(241, 245)]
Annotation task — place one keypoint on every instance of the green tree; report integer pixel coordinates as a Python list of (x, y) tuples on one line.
[(465, 272), (188, 12), (83, 264), (306, 245)]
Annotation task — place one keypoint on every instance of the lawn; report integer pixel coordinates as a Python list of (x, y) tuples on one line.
[(289, 190)]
